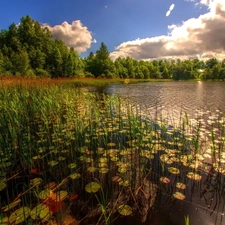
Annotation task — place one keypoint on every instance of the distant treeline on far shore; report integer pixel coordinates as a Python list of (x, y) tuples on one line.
[(28, 50)]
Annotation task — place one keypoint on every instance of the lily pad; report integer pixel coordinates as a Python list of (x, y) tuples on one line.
[(122, 170), (19, 215), (44, 194), (179, 195), (103, 159), (72, 165), (59, 196), (124, 210), (164, 180), (92, 169), (36, 181), (103, 170), (74, 176), (173, 170), (40, 211), (92, 187), (194, 176), (181, 185)]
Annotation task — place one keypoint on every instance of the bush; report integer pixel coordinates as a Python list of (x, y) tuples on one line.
[(42, 73), (30, 73), (89, 75)]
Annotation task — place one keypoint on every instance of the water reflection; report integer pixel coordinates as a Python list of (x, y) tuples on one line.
[(174, 96)]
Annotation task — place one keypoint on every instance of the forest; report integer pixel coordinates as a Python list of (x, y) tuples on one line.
[(28, 49)]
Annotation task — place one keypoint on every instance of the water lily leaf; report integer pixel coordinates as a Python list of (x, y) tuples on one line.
[(44, 194), (194, 176), (36, 157), (164, 180), (115, 159), (52, 163), (122, 170), (74, 176), (92, 169), (59, 196), (124, 210), (72, 165), (36, 181), (88, 160), (38, 211), (103, 170), (11, 205), (92, 187), (19, 215), (103, 159), (45, 215), (179, 195), (181, 185), (102, 164), (111, 144), (61, 158), (173, 170)]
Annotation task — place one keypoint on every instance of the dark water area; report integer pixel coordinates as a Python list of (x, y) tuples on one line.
[(204, 202)]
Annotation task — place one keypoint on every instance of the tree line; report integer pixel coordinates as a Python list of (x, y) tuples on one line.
[(28, 50)]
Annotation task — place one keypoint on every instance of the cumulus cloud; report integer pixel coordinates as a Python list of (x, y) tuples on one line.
[(201, 37), (74, 35)]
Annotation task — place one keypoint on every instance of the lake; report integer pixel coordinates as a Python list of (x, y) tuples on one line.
[(174, 96), (199, 101)]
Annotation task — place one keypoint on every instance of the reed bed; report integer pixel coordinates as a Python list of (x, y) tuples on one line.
[(69, 155)]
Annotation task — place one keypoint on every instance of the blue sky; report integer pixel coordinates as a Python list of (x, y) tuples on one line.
[(136, 28)]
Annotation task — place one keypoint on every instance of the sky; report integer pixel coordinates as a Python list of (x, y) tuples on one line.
[(141, 29)]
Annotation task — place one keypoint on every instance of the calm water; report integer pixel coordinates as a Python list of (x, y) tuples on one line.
[(204, 202), (175, 96)]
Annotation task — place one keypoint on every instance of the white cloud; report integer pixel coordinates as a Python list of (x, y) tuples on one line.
[(171, 7), (168, 13), (170, 10), (73, 35), (202, 37)]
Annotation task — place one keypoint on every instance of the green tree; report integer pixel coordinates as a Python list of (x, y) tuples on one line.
[(20, 62)]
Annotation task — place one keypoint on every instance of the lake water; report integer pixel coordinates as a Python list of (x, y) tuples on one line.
[(175, 96), (204, 203)]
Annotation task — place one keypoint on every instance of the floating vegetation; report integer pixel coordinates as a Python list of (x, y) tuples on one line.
[(92, 187), (173, 170), (194, 176), (179, 195), (124, 210), (181, 185), (19, 216), (164, 180)]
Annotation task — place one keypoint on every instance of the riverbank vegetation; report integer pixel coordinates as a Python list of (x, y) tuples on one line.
[(27, 49)]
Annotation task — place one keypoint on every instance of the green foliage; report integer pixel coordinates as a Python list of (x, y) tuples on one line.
[(28, 49)]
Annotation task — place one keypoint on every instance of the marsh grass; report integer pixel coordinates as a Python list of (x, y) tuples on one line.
[(57, 140)]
